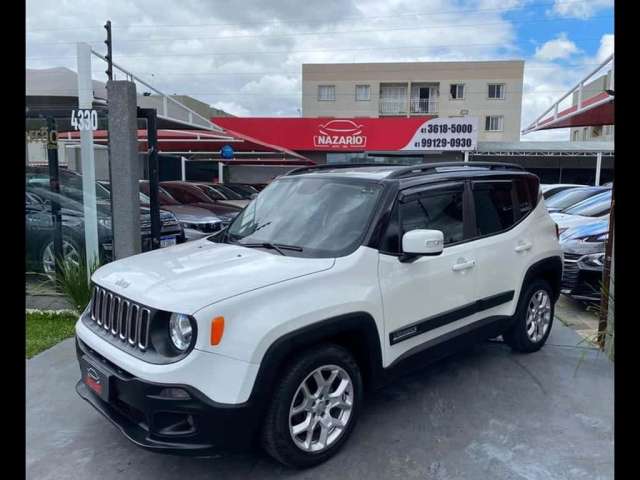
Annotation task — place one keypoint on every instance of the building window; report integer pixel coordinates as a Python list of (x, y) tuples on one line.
[(363, 93), (327, 93), (493, 123), (457, 91), (496, 90), (576, 135)]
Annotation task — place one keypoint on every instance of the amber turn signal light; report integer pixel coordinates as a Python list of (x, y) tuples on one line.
[(217, 329)]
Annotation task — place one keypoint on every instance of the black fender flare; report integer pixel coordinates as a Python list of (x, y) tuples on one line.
[(550, 269), (356, 331)]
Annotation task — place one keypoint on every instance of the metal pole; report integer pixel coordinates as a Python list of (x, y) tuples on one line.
[(598, 167), (183, 169), (220, 172), (466, 155), (85, 101), (154, 206), (54, 185), (606, 275)]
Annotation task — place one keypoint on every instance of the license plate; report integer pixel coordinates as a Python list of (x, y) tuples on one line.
[(95, 378), (168, 241)]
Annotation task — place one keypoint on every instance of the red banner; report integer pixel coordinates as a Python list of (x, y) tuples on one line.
[(328, 134)]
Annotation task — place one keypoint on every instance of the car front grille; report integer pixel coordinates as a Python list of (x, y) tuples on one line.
[(570, 271), (123, 319)]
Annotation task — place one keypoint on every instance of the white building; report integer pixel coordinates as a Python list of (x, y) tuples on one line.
[(491, 91)]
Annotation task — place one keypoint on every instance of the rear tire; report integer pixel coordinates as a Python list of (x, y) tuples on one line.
[(314, 408), (533, 318)]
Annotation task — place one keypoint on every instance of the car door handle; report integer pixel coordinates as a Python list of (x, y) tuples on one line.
[(463, 265), (523, 247)]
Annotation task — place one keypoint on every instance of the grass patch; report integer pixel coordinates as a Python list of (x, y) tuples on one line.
[(45, 329)]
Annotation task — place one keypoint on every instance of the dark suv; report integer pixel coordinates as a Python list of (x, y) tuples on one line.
[(39, 222)]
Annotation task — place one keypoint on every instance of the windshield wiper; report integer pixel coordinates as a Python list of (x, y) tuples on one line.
[(278, 247)]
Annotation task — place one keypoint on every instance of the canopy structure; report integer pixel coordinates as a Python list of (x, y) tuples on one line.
[(592, 103), (204, 143)]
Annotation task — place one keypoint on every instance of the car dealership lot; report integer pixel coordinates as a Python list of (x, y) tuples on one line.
[(485, 413)]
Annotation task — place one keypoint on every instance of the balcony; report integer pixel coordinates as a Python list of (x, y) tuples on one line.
[(423, 105), (398, 106), (395, 106)]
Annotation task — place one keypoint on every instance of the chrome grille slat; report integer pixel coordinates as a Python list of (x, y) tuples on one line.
[(132, 331), (123, 319)]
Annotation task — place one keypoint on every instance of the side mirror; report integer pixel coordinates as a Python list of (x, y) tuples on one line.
[(417, 243)]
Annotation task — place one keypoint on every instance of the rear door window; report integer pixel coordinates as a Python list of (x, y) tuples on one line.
[(494, 206), (436, 210)]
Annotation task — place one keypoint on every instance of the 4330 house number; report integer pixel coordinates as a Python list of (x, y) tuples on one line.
[(84, 119)]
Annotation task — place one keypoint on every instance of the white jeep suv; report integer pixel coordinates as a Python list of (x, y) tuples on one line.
[(328, 283)]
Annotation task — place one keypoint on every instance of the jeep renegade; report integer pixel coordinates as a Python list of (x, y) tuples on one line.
[(330, 281)]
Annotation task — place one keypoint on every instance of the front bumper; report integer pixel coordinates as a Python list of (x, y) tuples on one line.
[(579, 283), (191, 426)]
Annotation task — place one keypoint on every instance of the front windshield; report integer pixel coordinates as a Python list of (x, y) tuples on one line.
[(325, 217), (566, 198), (593, 207)]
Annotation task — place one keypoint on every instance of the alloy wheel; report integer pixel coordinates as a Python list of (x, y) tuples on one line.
[(538, 315), (70, 254), (321, 408)]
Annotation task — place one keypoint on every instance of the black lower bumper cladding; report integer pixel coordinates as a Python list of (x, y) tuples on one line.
[(175, 419)]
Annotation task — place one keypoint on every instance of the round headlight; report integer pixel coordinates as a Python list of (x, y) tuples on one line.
[(180, 331)]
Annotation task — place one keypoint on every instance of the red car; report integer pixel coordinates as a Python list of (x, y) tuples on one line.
[(189, 194)]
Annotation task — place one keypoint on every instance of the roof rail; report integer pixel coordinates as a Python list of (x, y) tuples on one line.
[(329, 166), (427, 168)]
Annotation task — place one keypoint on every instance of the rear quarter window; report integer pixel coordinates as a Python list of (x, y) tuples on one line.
[(527, 192), (494, 207)]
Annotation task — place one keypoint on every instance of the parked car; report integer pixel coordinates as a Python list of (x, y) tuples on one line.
[(583, 248), (222, 194), (584, 212), (570, 197), (204, 195), (248, 192), (270, 331), (187, 194), (197, 222), (40, 229), (549, 190)]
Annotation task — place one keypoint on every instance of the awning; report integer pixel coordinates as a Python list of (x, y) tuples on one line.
[(589, 107), (204, 142)]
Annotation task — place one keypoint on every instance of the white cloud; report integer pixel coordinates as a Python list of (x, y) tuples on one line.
[(606, 47), (581, 9), (559, 48), (233, 108)]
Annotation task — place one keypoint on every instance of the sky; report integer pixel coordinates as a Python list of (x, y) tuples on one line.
[(245, 56)]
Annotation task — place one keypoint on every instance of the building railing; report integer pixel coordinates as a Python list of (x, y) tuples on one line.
[(396, 106), (399, 106), (423, 105)]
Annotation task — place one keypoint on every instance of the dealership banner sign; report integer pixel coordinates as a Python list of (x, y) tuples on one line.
[(359, 134), (456, 133)]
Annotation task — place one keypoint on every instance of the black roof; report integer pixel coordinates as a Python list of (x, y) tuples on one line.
[(412, 173)]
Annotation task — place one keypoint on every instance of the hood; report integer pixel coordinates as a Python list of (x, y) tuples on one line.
[(565, 220), (192, 275), (599, 227), (191, 214)]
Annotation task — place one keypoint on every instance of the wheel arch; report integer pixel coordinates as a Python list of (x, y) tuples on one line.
[(357, 332), (550, 270)]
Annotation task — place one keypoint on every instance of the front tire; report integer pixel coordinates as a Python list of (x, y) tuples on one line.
[(315, 407), (533, 318)]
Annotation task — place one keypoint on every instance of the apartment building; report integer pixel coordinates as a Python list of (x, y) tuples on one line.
[(599, 133), (491, 91)]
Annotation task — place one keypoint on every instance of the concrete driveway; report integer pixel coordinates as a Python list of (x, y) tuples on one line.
[(485, 413)]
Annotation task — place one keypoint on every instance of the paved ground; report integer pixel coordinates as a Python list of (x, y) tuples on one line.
[(485, 413), (576, 315)]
